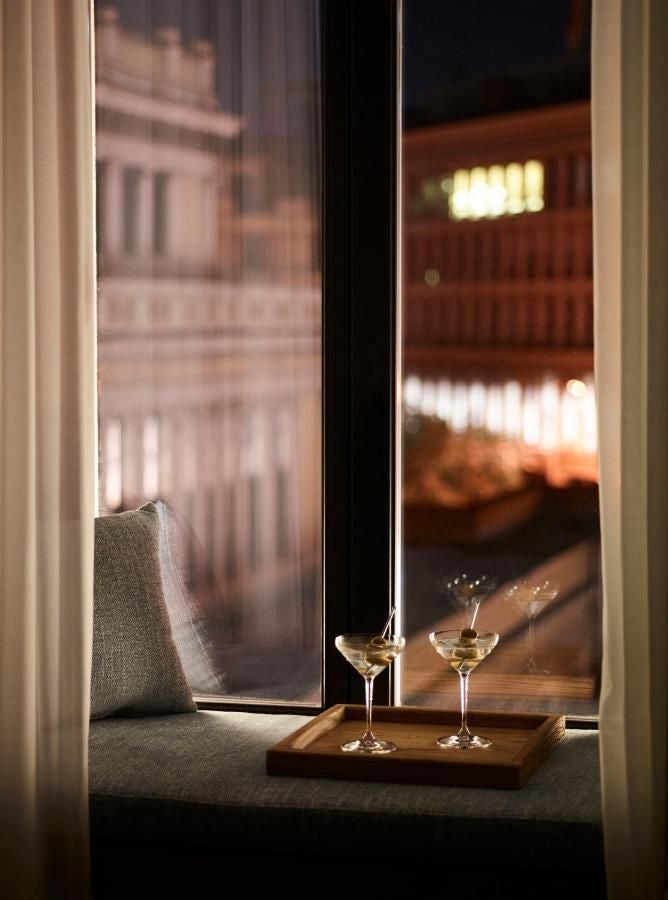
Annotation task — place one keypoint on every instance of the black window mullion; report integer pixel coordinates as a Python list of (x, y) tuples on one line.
[(359, 322)]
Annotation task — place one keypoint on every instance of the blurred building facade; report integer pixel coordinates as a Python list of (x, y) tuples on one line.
[(210, 320), (498, 297), (209, 335), (500, 441)]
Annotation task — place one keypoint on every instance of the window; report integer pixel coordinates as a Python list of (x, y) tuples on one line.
[(484, 192), (209, 337), (500, 475), (236, 338)]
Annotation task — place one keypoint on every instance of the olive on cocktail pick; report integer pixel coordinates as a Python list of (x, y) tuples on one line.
[(379, 641), (468, 636)]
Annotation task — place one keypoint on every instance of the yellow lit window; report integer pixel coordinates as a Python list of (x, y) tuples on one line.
[(483, 193)]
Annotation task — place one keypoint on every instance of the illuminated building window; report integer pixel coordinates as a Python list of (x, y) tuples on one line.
[(487, 192)]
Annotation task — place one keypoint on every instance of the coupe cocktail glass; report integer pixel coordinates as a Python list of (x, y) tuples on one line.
[(464, 650), (369, 654), (531, 598), (467, 593)]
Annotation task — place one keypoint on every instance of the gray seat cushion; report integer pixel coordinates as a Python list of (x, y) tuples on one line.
[(136, 669), (200, 782)]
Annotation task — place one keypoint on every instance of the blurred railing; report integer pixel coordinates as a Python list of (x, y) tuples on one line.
[(523, 281)]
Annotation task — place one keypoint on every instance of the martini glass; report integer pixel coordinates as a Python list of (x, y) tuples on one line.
[(464, 650), (468, 592), (369, 654), (531, 598)]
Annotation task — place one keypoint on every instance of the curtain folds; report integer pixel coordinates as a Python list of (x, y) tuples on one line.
[(630, 158), (47, 444)]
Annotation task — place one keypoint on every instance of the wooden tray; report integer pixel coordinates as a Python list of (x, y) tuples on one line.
[(520, 744)]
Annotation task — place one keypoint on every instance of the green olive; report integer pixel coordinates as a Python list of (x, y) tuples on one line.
[(378, 641)]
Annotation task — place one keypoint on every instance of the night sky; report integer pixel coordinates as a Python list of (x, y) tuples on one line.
[(447, 43)]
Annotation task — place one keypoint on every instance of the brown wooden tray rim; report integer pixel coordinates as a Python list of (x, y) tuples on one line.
[(521, 742)]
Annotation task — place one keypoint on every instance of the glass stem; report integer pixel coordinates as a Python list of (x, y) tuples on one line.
[(464, 696), (368, 692), (531, 639)]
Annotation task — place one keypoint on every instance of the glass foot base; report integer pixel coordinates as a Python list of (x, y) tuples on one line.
[(455, 742), (373, 746), (532, 668)]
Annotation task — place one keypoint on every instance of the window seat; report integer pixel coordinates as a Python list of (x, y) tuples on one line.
[(182, 796)]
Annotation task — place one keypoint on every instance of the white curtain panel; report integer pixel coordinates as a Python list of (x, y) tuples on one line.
[(47, 444), (630, 151)]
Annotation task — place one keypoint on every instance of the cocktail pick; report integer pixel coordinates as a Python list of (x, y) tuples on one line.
[(475, 613), (387, 624)]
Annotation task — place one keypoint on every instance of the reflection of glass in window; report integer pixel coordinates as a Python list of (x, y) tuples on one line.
[(283, 505), (282, 513), (160, 186), (231, 555), (131, 178), (254, 520)]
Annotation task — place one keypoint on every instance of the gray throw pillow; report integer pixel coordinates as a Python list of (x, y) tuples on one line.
[(136, 667)]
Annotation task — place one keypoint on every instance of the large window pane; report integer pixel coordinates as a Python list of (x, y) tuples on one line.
[(210, 321), (500, 467)]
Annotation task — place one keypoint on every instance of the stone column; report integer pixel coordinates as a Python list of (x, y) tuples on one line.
[(169, 41), (132, 464), (113, 212), (107, 34), (145, 215), (210, 223), (205, 68)]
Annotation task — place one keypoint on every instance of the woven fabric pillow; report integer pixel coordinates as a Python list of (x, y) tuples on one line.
[(136, 667)]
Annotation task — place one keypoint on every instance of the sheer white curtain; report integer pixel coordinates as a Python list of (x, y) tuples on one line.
[(630, 145), (47, 445)]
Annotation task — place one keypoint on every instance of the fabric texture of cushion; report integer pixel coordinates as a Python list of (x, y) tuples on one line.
[(202, 782), (136, 668)]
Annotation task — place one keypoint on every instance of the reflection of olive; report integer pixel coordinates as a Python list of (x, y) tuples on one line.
[(380, 657), (466, 653)]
